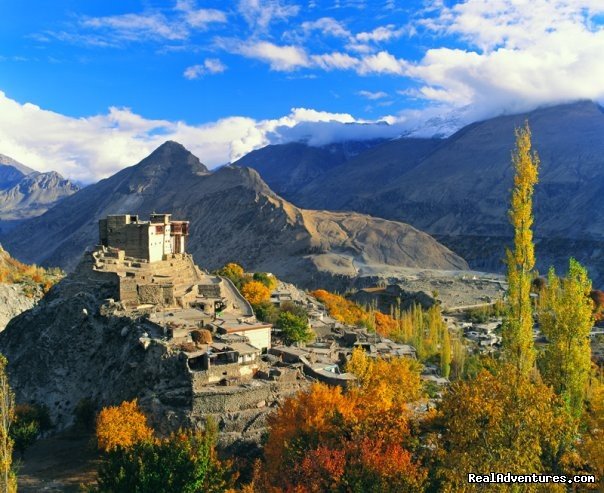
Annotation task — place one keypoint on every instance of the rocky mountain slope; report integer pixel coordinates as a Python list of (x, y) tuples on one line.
[(34, 194), (287, 167), (234, 217), (458, 188), (18, 290), (70, 348), (26, 193), (14, 299)]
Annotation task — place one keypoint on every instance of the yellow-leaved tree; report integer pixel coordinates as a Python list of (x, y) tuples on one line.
[(8, 480), (566, 318), (256, 292), (121, 426), (500, 421), (517, 331)]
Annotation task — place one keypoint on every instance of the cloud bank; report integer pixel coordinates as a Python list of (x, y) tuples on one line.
[(92, 148), (484, 58)]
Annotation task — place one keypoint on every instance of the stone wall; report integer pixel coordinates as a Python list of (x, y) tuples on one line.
[(216, 373), (231, 399)]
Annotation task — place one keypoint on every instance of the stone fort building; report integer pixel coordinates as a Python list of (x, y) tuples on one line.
[(150, 240)]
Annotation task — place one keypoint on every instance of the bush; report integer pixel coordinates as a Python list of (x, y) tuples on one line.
[(202, 336), (185, 462), (30, 420), (269, 281), (266, 312), (297, 310), (85, 415), (24, 434), (294, 328)]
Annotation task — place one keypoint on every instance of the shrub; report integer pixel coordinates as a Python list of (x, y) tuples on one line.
[(85, 415), (294, 328), (266, 312), (269, 281), (184, 462), (202, 336)]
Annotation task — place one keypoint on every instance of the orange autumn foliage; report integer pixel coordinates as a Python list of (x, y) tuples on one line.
[(14, 272), (121, 426), (350, 313), (387, 383), (256, 292), (497, 422), (385, 325), (328, 440), (340, 308)]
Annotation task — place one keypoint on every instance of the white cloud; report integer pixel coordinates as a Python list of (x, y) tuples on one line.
[(209, 66), (327, 26), (280, 58), (137, 27), (259, 14), (380, 34), (153, 24), (382, 63), (200, 18), (335, 61), (528, 54), (95, 147), (373, 95)]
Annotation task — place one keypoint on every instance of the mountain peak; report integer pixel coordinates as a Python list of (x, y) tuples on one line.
[(9, 161), (172, 154)]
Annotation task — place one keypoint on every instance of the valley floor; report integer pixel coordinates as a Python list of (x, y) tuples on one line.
[(59, 463)]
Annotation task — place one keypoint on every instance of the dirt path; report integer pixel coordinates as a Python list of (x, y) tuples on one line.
[(60, 463)]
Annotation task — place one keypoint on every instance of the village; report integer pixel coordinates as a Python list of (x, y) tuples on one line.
[(206, 318)]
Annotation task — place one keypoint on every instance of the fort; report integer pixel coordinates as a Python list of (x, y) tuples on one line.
[(139, 319), (155, 278)]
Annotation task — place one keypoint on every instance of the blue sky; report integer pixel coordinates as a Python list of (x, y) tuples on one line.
[(70, 47), (87, 87)]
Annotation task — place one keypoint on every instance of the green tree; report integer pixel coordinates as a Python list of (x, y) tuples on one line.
[(24, 434), (566, 318), (30, 420), (8, 480), (234, 272), (184, 462), (266, 312), (445, 353), (517, 332), (269, 281), (294, 328)]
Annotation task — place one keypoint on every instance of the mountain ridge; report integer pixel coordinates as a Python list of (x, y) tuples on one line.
[(459, 189), (234, 216)]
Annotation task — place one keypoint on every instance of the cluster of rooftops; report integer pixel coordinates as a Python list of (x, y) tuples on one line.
[(205, 317)]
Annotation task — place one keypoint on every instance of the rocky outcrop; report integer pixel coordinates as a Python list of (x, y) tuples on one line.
[(14, 299), (70, 348)]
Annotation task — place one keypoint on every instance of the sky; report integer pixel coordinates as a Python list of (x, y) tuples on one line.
[(89, 87)]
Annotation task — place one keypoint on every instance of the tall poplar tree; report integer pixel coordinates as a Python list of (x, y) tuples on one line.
[(566, 318), (517, 334), (8, 481)]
